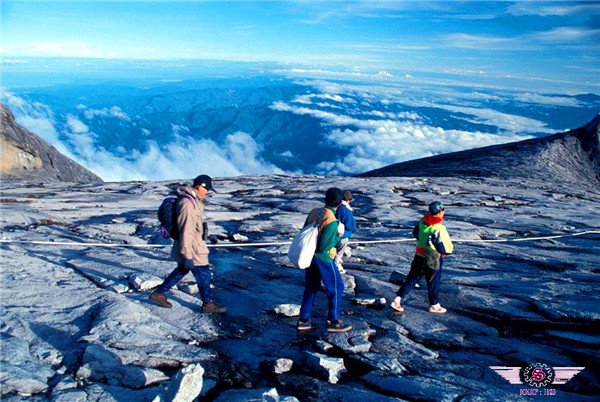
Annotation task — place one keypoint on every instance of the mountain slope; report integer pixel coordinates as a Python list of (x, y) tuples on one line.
[(24, 155), (573, 156)]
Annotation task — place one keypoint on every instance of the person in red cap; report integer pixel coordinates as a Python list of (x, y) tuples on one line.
[(433, 244), (189, 250)]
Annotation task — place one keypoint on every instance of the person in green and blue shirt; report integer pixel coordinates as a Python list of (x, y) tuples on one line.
[(323, 268)]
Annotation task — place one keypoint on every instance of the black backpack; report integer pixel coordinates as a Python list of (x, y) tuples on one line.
[(167, 216)]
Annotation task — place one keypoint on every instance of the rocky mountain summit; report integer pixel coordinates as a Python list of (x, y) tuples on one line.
[(572, 157), (77, 324), (24, 155)]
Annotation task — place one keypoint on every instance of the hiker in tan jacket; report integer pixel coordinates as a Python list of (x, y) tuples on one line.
[(189, 250)]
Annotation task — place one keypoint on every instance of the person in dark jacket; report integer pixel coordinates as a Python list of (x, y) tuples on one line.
[(190, 251), (345, 215), (433, 244), (322, 267)]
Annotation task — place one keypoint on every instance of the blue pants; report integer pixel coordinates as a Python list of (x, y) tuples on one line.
[(334, 288), (433, 277), (202, 275)]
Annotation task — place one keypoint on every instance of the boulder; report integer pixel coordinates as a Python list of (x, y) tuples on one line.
[(145, 281), (288, 310), (329, 368), (349, 284), (278, 366), (186, 385)]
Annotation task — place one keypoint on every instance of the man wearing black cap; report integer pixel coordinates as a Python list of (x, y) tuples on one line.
[(189, 250), (433, 243)]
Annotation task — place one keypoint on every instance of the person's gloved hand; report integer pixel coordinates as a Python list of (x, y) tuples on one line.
[(189, 264)]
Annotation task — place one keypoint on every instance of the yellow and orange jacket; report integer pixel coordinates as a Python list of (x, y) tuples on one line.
[(432, 235)]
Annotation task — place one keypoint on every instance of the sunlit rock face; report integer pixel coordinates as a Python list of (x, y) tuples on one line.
[(24, 155)]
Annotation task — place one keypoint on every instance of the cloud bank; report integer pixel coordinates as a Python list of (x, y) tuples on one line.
[(372, 136), (182, 157)]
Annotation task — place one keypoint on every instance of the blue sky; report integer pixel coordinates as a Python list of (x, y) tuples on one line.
[(556, 41)]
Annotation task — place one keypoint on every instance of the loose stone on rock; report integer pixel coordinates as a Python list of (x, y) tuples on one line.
[(329, 368), (288, 310)]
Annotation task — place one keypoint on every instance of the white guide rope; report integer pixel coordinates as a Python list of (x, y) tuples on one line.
[(284, 243)]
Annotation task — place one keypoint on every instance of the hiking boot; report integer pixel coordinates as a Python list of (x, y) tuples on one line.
[(213, 308), (159, 298), (396, 305), (304, 325), (338, 326), (436, 308)]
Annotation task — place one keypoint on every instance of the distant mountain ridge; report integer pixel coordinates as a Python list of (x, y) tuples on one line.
[(572, 156), (24, 155)]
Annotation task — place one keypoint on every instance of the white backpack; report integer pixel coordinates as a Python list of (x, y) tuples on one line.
[(303, 246)]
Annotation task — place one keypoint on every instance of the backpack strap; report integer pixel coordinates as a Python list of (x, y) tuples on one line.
[(321, 216), (186, 196)]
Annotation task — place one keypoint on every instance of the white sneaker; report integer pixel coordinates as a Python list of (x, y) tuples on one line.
[(397, 306), (436, 308)]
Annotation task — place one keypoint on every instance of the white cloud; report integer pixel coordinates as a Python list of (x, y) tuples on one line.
[(113, 111), (179, 129), (400, 136), (565, 34), (547, 9), (506, 122), (183, 157), (75, 125), (546, 99), (532, 41), (320, 73), (385, 145), (483, 42)]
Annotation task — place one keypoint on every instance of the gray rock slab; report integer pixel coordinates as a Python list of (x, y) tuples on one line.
[(329, 368), (99, 392), (258, 395), (102, 365), (186, 385), (493, 318), (414, 387), (136, 336), (407, 351), (354, 341), (377, 361)]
